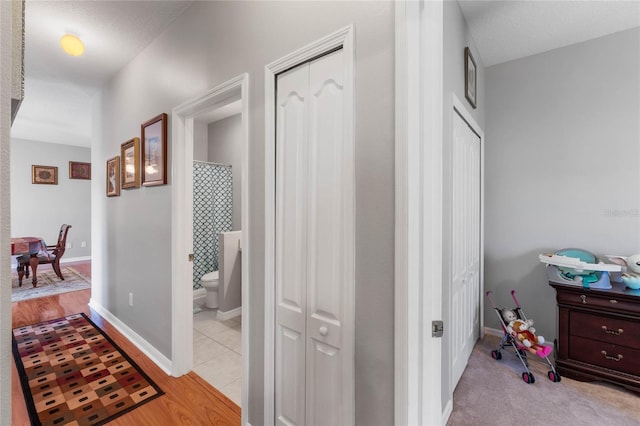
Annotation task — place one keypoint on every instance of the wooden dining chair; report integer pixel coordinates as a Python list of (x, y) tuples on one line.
[(53, 255)]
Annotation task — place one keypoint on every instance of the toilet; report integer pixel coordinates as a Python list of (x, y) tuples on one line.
[(210, 283)]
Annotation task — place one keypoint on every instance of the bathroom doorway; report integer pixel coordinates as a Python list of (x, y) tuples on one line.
[(211, 341)]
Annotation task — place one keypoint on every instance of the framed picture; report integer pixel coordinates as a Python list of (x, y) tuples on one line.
[(130, 167), (78, 170), (113, 177), (470, 77), (154, 151), (47, 175)]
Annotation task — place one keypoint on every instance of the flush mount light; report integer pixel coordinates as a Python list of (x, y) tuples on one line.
[(72, 44)]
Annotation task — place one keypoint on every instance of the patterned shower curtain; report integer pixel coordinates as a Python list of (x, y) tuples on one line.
[(212, 214)]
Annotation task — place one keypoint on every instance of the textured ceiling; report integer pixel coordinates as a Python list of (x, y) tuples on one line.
[(59, 88), (507, 30)]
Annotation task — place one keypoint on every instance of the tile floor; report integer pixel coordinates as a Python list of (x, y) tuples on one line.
[(217, 352)]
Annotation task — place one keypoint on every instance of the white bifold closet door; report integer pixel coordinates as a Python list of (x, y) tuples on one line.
[(313, 345), (465, 259)]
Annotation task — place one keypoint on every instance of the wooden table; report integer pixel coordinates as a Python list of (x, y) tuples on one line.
[(31, 246)]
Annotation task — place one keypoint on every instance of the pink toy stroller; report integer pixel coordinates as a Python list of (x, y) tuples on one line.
[(520, 346)]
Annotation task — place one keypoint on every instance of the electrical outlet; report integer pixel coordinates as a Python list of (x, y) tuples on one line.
[(83, 244), (69, 245), (130, 299)]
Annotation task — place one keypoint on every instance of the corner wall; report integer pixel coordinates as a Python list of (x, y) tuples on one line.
[(562, 161)]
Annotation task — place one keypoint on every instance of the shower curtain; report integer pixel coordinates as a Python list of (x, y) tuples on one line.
[(212, 214)]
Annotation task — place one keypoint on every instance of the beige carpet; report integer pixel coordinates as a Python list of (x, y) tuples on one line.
[(48, 284), (492, 392)]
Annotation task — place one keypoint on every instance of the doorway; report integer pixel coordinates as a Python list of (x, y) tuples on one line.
[(188, 121)]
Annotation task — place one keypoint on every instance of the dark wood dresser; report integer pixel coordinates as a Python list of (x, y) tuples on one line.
[(599, 334)]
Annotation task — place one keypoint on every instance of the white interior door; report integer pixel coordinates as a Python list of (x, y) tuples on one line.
[(313, 193), (465, 259)]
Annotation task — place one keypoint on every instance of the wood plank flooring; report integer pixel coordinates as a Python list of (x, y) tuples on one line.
[(188, 400)]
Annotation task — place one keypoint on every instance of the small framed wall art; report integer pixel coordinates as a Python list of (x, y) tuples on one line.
[(113, 177), (47, 175), (130, 167), (78, 170), (470, 77), (154, 151)]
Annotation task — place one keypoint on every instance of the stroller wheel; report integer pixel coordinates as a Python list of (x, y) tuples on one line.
[(554, 377), (496, 355), (528, 378)]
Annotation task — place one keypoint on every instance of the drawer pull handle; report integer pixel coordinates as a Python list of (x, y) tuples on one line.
[(614, 301), (583, 298), (616, 332), (612, 358)]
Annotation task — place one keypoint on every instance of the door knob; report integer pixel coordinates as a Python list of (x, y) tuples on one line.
[(324, 330)]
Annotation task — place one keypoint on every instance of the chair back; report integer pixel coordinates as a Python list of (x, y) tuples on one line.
[(58, 251)]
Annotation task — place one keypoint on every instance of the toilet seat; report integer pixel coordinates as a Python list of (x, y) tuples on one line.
[(210, 279)]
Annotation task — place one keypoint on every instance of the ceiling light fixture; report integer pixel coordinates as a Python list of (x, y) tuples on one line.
[(72, 44)]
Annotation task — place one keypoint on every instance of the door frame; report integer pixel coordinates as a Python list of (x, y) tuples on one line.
[(182, 148), (418, 206), (342, 38)]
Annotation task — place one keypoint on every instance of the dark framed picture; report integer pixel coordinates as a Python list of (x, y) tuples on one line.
[(113, 177), (154, 151), (130, 167), (78, 170), (470, 77), (46, 175)]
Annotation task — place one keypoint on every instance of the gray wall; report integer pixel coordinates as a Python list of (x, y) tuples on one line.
[(456, 38), (39, 210), (206, 46), (561, 165), (225, 147)]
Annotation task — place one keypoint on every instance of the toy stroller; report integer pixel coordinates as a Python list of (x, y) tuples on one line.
[(519, 335)]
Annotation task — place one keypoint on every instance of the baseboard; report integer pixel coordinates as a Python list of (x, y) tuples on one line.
[(493, 332), (75, 259), (158, 358), (223, 316), (448, 409)]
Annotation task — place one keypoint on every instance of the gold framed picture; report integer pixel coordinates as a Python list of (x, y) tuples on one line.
[(46, 175), (130, 166), (78, 170), (113, 177), (154, 151)]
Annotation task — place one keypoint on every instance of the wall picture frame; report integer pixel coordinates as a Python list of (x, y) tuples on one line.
[(470, 77), (44, 175), (79, 170), (130, 164), (154, 151), (113, 176)]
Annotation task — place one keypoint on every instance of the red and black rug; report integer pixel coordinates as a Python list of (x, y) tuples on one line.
[(73, 373)]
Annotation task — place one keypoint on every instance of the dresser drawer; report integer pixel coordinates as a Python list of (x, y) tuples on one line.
[(587, 300), (605, 355), (605, 329)]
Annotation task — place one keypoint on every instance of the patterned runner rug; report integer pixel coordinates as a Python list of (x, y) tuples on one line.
[(48, 284), (74, 374)]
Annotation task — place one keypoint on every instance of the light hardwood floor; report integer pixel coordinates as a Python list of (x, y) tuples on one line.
[(188, 400)]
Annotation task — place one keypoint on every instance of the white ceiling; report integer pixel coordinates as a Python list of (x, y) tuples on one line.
[(506, 30), (59, 88)]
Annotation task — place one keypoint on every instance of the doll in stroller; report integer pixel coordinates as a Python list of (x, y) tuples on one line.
[(520, 335)]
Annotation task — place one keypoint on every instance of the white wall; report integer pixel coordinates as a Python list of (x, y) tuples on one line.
[(562, 165), (39, 210), (456, 38), (209, 44), (225, 147)]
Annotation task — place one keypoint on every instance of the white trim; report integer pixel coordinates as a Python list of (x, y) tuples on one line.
[(227, 315), (183, 117), (147, 348), (418, 206), (342, 38), (75, 259)]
